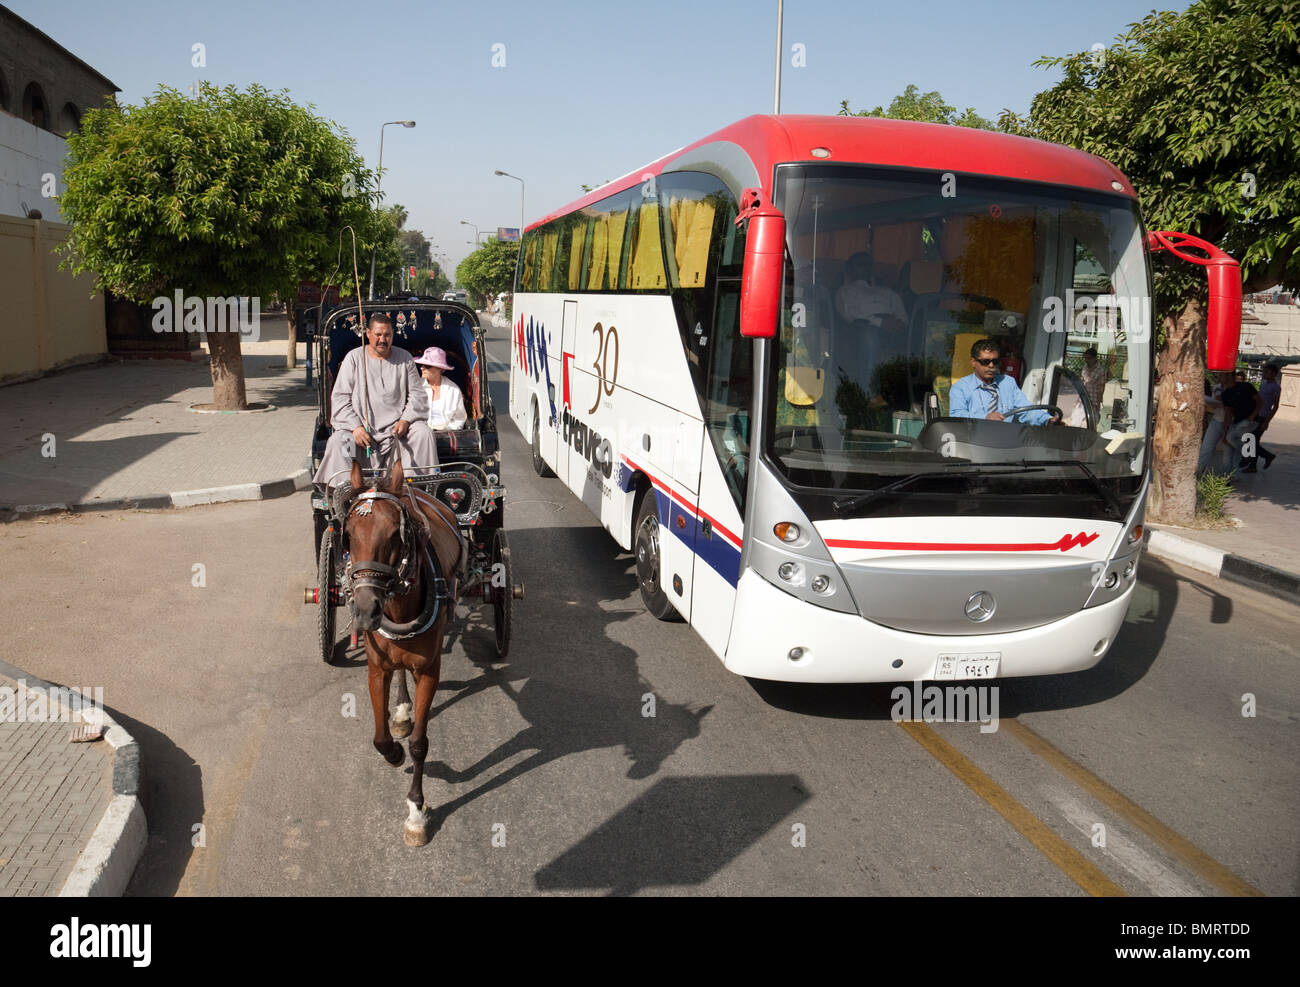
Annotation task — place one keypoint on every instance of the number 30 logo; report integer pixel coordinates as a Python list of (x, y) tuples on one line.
[(606, 340)]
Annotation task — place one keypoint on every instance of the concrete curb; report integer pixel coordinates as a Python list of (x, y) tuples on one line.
[(269, 490), (1224, 565), (106, 863)]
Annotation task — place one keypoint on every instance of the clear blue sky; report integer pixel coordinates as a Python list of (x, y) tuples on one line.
[(589, 91)]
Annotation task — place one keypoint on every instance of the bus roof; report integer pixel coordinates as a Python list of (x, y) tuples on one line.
[(772, 140)]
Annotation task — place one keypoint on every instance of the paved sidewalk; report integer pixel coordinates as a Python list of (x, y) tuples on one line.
[(53, 793), (1266, 506), (121, 434)]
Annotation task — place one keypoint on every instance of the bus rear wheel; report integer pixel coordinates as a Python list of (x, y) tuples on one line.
[(645, 546)]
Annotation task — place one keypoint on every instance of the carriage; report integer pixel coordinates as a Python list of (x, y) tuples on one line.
[(467, 477)]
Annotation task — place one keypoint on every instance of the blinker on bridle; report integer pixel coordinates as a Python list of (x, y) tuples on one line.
[(357, 571)]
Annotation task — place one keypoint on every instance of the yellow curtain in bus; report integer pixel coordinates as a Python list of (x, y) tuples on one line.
[(692, 221), (548, 260), (575, 255), (530, 257), (617, 228), (647, 260), (599, 253)]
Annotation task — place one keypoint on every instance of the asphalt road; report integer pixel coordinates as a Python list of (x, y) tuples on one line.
[(546, 776)]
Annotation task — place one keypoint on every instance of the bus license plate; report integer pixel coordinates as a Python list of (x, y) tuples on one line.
[(981, 666)]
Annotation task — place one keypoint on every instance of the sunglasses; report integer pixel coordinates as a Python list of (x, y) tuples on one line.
[(988, 363)]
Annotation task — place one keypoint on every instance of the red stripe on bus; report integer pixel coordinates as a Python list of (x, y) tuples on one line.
[(1064, 544), (695, 512)]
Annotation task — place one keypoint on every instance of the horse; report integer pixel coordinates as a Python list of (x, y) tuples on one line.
[(405, 550)]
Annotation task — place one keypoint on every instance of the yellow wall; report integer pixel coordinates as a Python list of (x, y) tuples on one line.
[(50, 317)]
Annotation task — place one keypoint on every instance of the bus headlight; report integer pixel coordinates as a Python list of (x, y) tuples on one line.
[(791, 572)]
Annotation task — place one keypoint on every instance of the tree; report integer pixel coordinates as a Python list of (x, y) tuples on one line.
[(1201, 110), (489, 270), (912, 104), (226, 194)]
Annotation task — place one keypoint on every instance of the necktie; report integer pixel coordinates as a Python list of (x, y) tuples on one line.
[(993, 397)]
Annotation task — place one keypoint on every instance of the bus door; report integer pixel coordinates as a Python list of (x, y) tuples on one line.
[(723, 455), (561, 384), (678, 549)]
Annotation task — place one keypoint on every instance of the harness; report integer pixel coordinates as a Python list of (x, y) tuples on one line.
[(396, 581)]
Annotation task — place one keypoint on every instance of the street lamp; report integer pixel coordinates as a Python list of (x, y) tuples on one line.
[(506, 174), (464, 222), (379, 184)]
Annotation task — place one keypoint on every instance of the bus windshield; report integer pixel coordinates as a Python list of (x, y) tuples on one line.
[(953, 324)]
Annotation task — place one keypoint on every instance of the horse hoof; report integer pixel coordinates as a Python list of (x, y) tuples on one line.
[(415, 835), (400, 729), (395, 755)]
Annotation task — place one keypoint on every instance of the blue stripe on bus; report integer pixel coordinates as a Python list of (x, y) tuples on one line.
[(715, 551)]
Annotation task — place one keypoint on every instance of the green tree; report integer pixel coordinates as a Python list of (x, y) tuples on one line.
[(912, 104), (489, 270), (228, 193), (1201, 110)]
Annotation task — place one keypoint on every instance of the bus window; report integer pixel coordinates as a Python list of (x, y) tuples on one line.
[(609, 226), (646, 261), (577, 249), (546, 266), (528, 258)]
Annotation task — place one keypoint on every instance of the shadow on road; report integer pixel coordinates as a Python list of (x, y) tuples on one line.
[(684, 830), (172, 796)]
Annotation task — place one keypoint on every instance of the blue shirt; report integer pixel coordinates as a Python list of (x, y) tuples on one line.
[(969, 399)]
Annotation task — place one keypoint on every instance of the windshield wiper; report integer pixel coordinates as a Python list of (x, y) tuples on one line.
[(958, 469)]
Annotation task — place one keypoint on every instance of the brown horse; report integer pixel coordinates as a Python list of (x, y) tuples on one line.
[(405, 549)]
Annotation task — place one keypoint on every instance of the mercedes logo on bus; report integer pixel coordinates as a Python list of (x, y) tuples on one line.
[(981, 606)]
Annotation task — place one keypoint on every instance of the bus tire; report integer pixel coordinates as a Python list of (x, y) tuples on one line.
[(646, 551), (539, 464)]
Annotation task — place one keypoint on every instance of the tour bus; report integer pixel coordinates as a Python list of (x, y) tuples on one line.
[(777, 365)]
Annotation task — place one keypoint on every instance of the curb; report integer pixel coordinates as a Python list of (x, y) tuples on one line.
[(269, 490), (106, 863), (1224, 565)]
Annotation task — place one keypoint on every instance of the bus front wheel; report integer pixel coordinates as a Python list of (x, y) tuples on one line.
[(645, 546)]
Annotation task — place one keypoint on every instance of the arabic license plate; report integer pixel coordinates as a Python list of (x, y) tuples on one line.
[(968, 666)]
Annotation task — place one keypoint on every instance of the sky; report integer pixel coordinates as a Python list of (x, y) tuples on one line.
[(569, 92)]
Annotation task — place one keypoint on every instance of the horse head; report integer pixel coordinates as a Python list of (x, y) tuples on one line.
[(380, 544)]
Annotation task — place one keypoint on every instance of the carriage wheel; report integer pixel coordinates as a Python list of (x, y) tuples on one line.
[(324, 608), (503, 597)]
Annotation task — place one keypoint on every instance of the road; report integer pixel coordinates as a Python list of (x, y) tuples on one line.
[(1141, 776)]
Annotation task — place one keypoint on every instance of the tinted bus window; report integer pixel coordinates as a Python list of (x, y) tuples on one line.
[(607, 232), (577, 250), (646, 260), (528, 262)]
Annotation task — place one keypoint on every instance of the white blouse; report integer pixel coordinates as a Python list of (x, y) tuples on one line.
[(447, 411)]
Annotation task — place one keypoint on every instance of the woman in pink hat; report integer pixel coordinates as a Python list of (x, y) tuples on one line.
[(446, 403)]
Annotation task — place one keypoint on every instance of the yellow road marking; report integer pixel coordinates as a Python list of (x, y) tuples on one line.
[(1180, 847), (1069, 860)]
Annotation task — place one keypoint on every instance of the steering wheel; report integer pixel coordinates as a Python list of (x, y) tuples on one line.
[(1053, 409), (862, 433)]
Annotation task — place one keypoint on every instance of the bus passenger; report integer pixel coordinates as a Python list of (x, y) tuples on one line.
[(988, 393), (861, 298), (446, 403)]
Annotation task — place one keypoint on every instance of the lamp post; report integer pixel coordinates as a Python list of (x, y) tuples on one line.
[(506, 174), (465, 222), (776, 95), (379, 184)]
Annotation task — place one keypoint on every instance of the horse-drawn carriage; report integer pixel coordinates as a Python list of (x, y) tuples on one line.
[(466, 478)]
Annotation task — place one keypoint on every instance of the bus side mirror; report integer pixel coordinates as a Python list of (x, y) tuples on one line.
[(761, 284), (1223, 319)]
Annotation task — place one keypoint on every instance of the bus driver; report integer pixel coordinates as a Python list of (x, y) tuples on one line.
[(989, 393)]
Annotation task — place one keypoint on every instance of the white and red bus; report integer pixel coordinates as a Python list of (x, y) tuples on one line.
[(758, 361)]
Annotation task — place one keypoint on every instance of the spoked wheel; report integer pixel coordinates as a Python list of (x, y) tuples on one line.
[(503, 597), (324, 606), (648, 560)]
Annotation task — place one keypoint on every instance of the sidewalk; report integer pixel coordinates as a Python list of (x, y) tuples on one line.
[(1264, 548), (70, 817), (121, 434)]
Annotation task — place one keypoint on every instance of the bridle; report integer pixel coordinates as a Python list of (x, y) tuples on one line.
[(389, 580), (395, 581)]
